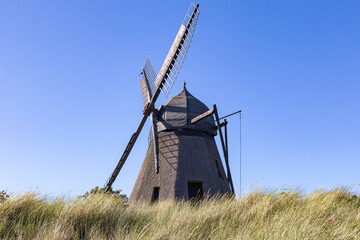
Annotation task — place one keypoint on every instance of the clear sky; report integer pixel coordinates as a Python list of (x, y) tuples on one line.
[(70, 96)]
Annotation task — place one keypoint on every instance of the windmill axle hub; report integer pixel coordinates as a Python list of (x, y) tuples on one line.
[(148, 110)]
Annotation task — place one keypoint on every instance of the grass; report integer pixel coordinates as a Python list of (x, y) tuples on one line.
[(258, 215)]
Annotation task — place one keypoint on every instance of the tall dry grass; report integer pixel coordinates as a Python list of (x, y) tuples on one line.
[(259, 215)]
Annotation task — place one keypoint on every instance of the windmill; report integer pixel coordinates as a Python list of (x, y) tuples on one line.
[(182, 122)]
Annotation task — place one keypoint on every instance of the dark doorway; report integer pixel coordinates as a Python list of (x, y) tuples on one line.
[(195, 190), (155, 194)]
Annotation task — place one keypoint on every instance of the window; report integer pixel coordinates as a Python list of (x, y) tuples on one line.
[(155, 194), (195, 190)]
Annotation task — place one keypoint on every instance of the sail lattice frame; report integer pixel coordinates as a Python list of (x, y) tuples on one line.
[(186, 33)]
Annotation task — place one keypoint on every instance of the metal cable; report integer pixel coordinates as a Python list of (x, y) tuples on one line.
[(240, 154)]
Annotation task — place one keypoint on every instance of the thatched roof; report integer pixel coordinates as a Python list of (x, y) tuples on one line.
[(178, 111)]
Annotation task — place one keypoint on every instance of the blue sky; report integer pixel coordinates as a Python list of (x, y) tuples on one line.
[(70, 97)]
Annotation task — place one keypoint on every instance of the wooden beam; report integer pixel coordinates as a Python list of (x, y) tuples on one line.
[(224, 147), (230, 115), (221, 125), (125, 154), (202, 116)]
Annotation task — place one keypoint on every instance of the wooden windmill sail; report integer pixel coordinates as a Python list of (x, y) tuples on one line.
[(173, 166)]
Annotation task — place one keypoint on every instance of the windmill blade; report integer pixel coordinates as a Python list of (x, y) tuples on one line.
[(145, 91), (164, 79), (125, 154), (177, 53), (147, 83), (149, 75), (155, 140)]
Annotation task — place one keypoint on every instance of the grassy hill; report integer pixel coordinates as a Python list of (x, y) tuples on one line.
[(259, 215)]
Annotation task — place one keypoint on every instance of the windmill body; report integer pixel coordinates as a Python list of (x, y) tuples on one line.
[(189, 162)]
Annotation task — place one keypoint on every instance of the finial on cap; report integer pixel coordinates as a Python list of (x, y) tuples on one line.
[(184, 83)]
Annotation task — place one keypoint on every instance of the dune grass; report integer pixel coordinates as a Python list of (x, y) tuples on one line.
[(258, 215)]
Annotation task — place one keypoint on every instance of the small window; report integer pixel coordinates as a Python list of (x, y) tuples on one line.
[(218, 169), (155, 194), (195, 190)]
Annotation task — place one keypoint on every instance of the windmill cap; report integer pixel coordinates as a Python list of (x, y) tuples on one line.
[(178, 111)]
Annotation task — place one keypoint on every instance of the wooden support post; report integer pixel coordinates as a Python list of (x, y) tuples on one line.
[(224, 149), (226, 139)]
